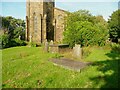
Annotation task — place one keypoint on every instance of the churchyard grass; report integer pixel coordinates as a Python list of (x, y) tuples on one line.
[(29, 67)]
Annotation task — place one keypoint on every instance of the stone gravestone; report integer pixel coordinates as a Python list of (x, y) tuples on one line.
[(77, 51), (46, 47), (51, 48), (51, 42)]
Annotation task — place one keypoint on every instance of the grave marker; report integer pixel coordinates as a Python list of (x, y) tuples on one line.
[(77, 51), (46, 46)]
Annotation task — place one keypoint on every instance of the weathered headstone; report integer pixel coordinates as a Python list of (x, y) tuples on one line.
[(51, 42), (46, 46), (51, 48), (77, 51)]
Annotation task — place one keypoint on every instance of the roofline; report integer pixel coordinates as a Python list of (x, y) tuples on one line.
[(60, 9)]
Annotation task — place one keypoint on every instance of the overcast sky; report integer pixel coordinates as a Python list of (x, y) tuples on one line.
[(17, 8)]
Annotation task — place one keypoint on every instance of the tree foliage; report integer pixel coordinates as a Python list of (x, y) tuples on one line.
[(13, 29), (114, 25), (85, 29)]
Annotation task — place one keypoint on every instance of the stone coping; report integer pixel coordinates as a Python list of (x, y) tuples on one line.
[(58, 45), (70, 64)]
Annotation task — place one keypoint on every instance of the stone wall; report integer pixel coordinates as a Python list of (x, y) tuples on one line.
[(59, 16), (34, 21), (39, 22)]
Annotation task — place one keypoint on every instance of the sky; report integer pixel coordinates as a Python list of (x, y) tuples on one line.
[(17, 8)]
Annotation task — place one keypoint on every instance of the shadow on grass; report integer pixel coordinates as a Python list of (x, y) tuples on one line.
[(109, 76)]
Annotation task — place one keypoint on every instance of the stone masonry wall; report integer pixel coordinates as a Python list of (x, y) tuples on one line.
[(59, 16), (35, 13), (39, 22)]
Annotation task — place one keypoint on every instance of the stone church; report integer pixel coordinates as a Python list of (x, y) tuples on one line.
[(44, 21)]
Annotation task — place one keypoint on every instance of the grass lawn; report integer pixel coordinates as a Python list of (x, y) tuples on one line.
[(28, 67)]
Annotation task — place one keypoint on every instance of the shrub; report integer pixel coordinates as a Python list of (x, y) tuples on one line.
[(32, 44), (4, 41), (86, 51), (20, 42), (115, 47), (12, 28), (84, 33), (16, 42), (82, 28), (57, 56), (114, 26)]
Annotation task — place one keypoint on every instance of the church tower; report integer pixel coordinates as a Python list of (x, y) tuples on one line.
[(39, 19)]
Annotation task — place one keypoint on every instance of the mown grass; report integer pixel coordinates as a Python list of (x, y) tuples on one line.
[(29, 67)]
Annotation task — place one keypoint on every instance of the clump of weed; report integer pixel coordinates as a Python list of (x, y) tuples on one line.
[(86, 52), (57, 56)]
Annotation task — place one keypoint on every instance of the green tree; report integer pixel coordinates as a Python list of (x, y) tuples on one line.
[(114, 25), (85, 29), (12, 28)]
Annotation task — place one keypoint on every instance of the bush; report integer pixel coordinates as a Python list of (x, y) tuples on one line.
[(57, 56), (20, 42), (115, 47), (16, 42), (4, 41), (82, 28), (86, 52), (114, 26), (84, 33), (12, 28), (33, 44)]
